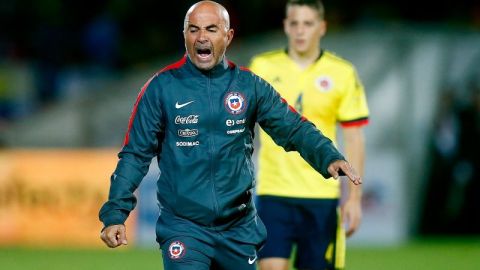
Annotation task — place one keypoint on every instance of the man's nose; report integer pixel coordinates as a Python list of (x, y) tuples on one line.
[(203, 37), (300, 30)]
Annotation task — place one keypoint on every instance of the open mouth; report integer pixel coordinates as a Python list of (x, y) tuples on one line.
[(204, 53), (300, 41)]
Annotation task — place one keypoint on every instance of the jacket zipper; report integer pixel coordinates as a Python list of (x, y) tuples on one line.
[(212, 147)]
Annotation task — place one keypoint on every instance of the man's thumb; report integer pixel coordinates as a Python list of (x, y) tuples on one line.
[(122, 236), (333, 172)]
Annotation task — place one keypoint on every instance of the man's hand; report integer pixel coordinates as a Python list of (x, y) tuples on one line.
[(341, 165), (114, 235)]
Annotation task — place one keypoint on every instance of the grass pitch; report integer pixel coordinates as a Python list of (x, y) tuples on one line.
[(435, 254), (431, 254)]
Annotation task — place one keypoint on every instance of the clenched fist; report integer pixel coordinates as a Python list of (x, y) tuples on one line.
[(114, 235)]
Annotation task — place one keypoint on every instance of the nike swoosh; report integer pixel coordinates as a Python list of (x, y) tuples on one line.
[(178, 106), (251, 261)]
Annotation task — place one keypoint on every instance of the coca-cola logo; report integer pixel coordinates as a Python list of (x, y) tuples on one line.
[(183, 120)]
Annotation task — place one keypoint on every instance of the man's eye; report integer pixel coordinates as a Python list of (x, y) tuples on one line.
[(212, 30)]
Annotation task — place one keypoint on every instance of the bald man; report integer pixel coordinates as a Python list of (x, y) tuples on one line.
[(197, 116)]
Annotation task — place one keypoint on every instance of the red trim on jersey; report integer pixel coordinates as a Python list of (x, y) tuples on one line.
[(230, 64), (303, 118), (134, 111), (175, 65), (355, 123)]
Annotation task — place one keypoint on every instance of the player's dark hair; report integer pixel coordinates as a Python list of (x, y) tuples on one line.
[(314, 4)]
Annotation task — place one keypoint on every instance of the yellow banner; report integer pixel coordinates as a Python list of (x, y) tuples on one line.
[(52, 196)]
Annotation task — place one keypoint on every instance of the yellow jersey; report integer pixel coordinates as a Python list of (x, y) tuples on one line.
[(326, 93)]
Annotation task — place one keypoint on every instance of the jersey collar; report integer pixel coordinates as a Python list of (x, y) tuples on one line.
[(316, 60)]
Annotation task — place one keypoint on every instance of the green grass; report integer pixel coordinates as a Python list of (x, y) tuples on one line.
[(79, 259), (435, 254)]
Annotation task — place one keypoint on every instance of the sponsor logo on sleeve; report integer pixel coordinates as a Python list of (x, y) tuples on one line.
[(235, 102)]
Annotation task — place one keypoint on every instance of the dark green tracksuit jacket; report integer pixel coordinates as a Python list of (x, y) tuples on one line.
[(200, 125)]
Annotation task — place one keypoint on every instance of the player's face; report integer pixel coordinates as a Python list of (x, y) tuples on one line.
[(304, 28), (206, 38)]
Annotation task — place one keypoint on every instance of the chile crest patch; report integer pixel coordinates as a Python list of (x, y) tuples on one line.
[(235, 102), (176, 250)]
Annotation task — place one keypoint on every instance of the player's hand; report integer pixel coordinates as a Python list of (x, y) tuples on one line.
[(114, 235), (351, 215), (338, 166)]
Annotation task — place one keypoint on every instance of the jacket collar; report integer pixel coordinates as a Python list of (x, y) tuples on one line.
[(218, 70)]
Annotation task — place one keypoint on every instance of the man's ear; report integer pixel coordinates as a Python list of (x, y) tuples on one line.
[(323, 27), (285, 26), (230, 34)]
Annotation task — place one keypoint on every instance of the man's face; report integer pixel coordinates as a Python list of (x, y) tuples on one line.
[(304, 28), (206, 36)]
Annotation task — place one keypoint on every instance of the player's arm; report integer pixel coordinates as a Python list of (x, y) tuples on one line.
[(354, 143), (140, 146), (353, 110), (295, 133)]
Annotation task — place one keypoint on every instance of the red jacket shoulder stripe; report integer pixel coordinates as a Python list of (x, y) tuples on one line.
[(292, 109), (232, 65), (134, 111), (175, 65)]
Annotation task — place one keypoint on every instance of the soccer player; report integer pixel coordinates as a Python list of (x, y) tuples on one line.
[(197, 116), (298, 206)]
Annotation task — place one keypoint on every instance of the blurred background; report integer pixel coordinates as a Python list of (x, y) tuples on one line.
[(70, 72)]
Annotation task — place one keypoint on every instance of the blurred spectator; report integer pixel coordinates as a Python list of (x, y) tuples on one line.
[(16, 90), (101, 41), (454, 181), (54, 35), (467, 169), (6, 95), (445, 140), (50, 47)]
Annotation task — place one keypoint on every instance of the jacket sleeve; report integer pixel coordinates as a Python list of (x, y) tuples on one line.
[(141, 144), (292, 131)]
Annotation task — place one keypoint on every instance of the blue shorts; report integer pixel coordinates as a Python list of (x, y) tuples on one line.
[(188, 246), (309, 224)]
